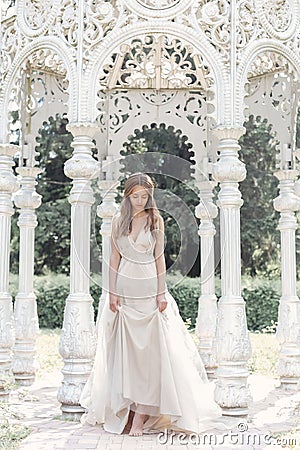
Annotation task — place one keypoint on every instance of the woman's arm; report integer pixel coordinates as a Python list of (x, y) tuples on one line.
[(114, 262), (160, 266)]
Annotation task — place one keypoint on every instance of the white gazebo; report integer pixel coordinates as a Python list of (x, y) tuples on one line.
[(113, 67)]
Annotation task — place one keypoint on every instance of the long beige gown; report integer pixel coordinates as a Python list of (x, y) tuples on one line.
[(146, 360)]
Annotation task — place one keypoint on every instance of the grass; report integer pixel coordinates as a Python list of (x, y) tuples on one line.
[(48, 356), (265, 350), (264, 357)]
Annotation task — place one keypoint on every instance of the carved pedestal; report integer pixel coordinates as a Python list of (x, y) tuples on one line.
[(207, 303), (78, 340), (8, 185), (25, 309), (233, 344), (288, 330)]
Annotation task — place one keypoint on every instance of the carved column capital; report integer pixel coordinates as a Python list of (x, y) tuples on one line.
[(82, 129), (230, 133), (108, 207), (27, 198), (82, 167), (287, 201), (9, 150), (82, 164), (8, 181), (206, 209)]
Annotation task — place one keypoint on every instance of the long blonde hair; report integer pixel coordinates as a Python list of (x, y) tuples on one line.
[(125, 214)]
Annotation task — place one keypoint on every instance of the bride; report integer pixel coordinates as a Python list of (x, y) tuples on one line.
[(147, 374)]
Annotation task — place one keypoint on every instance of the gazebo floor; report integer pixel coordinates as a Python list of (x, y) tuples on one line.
[(274, 413)]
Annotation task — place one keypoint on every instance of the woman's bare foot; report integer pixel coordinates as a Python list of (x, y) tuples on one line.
[(137, 425)]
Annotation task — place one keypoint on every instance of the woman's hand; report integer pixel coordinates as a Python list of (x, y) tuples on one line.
[(161, 302), (114, 302)]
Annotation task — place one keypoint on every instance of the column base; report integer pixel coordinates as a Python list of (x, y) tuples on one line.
[(235, 412), (73, 413), (291, 384), (24, 380)]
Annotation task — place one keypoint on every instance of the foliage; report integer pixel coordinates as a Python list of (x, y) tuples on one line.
[(52, 291), (186, 294), (259, 237), (261, 305), (261, 296), (11, 432)]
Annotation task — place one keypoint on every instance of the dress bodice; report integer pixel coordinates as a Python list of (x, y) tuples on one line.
[(139, 251)]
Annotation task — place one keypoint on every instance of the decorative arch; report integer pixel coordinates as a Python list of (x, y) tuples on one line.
[(254, 50), (115, 39), (188, 142), (184, 110), (61, 51)]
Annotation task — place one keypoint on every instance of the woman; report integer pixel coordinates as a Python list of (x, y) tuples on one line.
[(147, 373)]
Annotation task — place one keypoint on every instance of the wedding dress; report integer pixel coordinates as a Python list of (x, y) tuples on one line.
[(146, 360)]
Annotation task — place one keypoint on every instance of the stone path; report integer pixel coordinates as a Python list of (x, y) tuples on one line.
[(273, 412)]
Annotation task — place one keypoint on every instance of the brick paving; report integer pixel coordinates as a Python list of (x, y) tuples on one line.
[(274, 411)]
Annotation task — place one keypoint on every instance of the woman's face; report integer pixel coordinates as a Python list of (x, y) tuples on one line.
[(138, 198)]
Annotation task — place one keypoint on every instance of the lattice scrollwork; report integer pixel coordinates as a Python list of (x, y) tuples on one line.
[(6, 8), (268, 62), (278, 17), (247, 23), (212, 17), (67, 22), (36, 16), (37, 12), (122, 106), (279, 13), (158, 4), (271, 91), (273, 97), (47, 59), (10, 42), (46, 89), (100, 18), (156, 63), (158, 98)]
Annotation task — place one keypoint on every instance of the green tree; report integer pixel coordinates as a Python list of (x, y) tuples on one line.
[(259, 238), (52, 236)]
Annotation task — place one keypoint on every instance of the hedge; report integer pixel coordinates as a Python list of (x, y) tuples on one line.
[(261, 297)]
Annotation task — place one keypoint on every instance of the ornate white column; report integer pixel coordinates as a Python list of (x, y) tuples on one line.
[(78, 338), (207, 303), (8, 185), (288, 330), (25, 308), (233, 344), (106, 210)]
